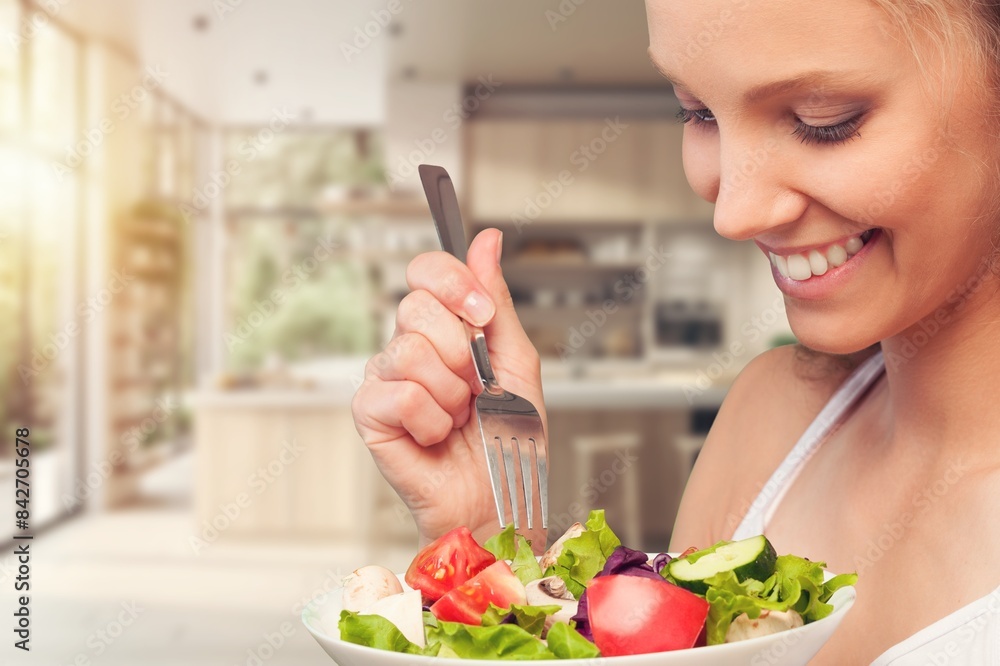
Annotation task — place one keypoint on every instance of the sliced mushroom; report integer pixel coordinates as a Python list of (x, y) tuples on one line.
[(552, 591), (555, 550), (404, 610), (367, 585), (769, 622)]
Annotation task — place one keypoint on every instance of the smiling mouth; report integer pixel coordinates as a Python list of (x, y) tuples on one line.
[(806, 265)]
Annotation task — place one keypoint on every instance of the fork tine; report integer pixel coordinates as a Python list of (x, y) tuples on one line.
[(542, 464), (493, 463), (526, 481), (508, 463)]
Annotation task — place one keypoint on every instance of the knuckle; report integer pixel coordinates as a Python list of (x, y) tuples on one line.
[(418, 310), (411, 397), (377, 364)]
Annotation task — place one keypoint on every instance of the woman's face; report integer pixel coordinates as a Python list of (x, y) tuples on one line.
[(814, 132)]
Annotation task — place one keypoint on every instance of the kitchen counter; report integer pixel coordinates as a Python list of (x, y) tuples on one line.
[(599, 387)]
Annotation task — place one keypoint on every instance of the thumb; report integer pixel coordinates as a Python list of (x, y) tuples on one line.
[(483, 259)]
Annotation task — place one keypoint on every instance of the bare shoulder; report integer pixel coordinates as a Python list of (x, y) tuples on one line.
[(767, 409)]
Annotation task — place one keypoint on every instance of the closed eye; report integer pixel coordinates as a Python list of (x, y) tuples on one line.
[(804, 132)]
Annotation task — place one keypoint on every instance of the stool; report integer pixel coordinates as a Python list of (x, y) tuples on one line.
[(586, 449)]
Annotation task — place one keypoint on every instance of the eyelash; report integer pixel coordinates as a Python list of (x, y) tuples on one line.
[(827, 134)]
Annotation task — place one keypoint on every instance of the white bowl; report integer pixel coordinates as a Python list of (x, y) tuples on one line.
[(794, 647)]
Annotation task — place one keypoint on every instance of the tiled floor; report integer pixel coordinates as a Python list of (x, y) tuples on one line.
[(127, 589)]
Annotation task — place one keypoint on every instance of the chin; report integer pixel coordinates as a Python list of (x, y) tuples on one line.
[(822, 337)]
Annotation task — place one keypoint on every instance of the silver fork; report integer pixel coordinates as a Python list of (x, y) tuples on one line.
[(509, 425)]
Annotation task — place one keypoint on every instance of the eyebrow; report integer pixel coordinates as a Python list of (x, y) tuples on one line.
[(812, 79)]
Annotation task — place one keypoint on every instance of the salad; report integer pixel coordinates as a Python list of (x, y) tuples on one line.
[(587, 596)]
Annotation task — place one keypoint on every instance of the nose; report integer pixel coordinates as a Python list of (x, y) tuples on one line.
[(755, 190)]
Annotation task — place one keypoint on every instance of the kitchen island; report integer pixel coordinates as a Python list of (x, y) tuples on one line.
[(289, 461)]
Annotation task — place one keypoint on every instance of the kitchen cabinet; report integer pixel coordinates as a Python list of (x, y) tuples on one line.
[(281, 463), (578, 170)]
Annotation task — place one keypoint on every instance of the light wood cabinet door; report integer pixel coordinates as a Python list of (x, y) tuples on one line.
[(505, 166), (667, 196), (580, 170)]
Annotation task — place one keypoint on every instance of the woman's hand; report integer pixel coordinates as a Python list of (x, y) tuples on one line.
[(414, 408)]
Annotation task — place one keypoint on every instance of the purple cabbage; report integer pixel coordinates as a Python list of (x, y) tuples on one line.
[(661, 561), (624, 561)]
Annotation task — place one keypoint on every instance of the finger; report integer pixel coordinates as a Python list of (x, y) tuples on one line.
[(420, 312), (393, 408), (484, 262), (412, 357), (453, 284)]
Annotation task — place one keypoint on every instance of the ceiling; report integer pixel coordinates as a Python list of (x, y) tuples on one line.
[(236, 61)]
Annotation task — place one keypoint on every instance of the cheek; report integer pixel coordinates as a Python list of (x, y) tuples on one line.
[(701, 164)]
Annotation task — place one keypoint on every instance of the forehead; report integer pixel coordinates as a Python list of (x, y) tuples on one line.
[(725, 45)]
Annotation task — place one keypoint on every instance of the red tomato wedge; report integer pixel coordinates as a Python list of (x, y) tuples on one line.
[(633, 615), (495, 584), (446, 563)]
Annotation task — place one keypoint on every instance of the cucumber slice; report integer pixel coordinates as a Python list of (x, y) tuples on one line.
[(749, 558)]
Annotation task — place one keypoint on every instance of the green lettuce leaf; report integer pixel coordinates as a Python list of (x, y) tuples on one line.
[(503, 545), (584, 556), (502, 641), (375, 631), (525, 565), (797, 584), (728, 598), (567, 643), (529, 618), (508, 545)]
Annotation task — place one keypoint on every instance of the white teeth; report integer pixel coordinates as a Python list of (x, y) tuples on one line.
[(782, 264), (798, 267), (836, 255), (804, 266), (817, 263)]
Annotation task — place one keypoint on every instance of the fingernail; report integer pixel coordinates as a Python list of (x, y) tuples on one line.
[(499, 246), (478, 308)]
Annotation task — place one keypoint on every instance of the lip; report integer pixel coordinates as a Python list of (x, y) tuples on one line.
[(822, 286)]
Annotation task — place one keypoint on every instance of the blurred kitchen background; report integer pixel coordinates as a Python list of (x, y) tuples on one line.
[(207, 210)]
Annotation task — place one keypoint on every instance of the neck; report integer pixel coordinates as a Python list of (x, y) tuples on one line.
[(942, 373)]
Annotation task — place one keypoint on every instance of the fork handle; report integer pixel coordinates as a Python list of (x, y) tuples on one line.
[(481, 359)]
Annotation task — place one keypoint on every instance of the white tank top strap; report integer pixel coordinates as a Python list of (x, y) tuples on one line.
[(765, 504)]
